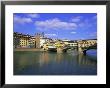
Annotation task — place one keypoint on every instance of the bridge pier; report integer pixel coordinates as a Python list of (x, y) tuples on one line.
[(59, 50), (80, 50)]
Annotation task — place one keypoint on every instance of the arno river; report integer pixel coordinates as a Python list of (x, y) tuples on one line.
[(52, 63)]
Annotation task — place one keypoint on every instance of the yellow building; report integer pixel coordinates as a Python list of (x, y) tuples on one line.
[(45, 46), (24, 41), (21, 40), (32, 42), (59, 44)]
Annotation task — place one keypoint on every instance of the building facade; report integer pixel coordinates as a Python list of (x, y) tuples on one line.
[(39, 41), (87, 43), (44, 40), (71, 43), (26, 41), (21, 41)]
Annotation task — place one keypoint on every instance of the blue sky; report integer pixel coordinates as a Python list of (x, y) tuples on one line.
[(71, 26)]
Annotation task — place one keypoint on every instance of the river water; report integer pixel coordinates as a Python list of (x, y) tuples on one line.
[(52, 63)]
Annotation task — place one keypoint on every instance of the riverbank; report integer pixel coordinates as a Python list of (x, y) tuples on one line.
[(28, 49)]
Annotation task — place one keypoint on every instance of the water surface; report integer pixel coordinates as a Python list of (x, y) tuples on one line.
[(52, 63)]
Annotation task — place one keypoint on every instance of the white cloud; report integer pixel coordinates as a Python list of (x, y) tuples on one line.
[(86, 24), (76, 19), (73, 32), (21, 20), (33, 15), (55, 24), (50, 34)]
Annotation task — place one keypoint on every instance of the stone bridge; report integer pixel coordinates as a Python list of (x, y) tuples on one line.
[(85, 45)]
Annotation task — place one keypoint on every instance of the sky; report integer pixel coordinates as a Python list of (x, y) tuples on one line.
[(72, 26)]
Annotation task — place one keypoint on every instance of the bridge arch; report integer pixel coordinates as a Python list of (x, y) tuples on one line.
[(85, 45)]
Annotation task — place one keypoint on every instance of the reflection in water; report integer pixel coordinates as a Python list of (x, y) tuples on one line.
[(59, 57), (44, 58), (83, 60), (51, 63)]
